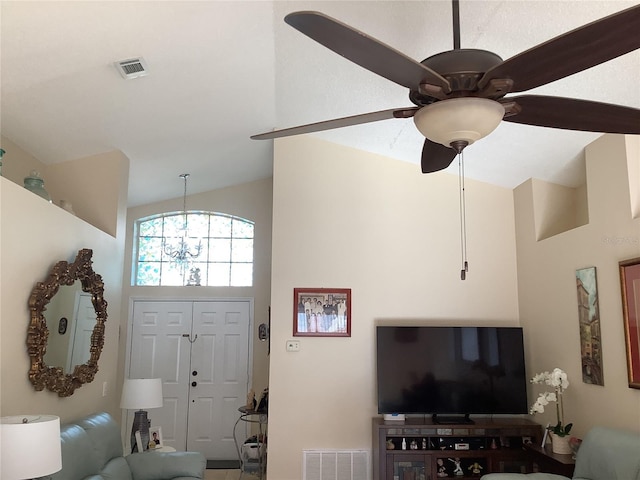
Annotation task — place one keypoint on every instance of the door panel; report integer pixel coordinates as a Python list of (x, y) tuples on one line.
[(160, 349), (221, 361), (84, 321)]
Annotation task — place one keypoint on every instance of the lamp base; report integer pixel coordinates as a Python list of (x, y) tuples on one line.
[(140, 424)]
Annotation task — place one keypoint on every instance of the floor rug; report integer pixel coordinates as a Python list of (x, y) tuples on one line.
[(223, 464)]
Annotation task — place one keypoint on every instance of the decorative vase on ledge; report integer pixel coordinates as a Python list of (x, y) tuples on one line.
[(35, 184), (560, 444)]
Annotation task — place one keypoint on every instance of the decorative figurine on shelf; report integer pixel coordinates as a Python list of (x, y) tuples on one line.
[(390, 444), (475, 468), (493, 446), (458, 466), (414, 445), (442, 471), (424, 443)]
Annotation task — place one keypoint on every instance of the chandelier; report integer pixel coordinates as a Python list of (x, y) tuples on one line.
[(180, 252)]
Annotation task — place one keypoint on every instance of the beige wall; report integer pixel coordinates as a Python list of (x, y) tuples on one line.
[(348, 219), (251, 201), (547, 287), (34, 236), (87, 183)]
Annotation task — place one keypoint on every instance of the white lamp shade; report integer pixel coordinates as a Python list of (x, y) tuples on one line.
[(141, 393), (29, 450), (459, 119)]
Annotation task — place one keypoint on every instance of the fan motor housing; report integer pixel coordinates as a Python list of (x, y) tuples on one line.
[(463, 68)]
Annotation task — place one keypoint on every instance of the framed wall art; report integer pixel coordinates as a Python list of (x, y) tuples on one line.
[(630, 289), (589, 322), (322, 312)]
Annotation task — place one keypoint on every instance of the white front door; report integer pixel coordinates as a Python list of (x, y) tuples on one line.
[(219, 382), (200, 349)]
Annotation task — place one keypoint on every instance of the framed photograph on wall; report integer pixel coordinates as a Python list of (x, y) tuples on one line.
[(155, 436), (322, 312), (630, 289)]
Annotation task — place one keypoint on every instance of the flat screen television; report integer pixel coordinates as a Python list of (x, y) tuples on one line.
[(451, 371)]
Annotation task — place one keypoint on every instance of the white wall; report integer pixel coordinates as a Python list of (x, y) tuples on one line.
[(547, 286), (344, 218)]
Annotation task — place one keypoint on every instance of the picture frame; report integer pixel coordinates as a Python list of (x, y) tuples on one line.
[(321, 312), (155, 435), (630, 290), (589, 326), (139, 446)]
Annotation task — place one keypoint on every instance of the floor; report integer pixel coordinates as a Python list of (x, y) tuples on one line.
[(227, 475)]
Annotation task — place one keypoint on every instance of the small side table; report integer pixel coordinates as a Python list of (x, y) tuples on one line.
[(259, 464), (550, 462), (166, 448)]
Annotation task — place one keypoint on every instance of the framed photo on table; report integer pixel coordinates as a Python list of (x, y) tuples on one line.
[(155, 436), (630, 289), (321, 312)]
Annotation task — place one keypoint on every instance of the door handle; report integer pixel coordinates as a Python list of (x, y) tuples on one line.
[(187, 335), (194, 384)]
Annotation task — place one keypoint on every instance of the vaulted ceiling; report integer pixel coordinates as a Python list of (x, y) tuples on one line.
[(219, 72)]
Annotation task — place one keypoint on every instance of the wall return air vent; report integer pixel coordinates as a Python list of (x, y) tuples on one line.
[(132, 68)]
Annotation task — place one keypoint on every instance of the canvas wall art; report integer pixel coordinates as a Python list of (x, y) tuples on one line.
[(589, 321)]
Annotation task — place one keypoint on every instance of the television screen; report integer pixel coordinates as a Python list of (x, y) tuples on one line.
[(451, 370)]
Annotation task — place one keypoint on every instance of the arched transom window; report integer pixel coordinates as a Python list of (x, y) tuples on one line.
[(199, 248)]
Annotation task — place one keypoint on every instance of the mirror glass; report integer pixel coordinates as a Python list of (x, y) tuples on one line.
[(66, 332), (70, 318)]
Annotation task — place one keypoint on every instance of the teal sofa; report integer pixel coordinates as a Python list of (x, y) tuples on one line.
[(92, 450), (605, 454)]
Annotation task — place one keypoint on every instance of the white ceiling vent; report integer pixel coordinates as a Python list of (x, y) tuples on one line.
[(132, 68)]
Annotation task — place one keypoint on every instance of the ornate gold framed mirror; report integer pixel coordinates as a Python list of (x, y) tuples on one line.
[(73, 295)]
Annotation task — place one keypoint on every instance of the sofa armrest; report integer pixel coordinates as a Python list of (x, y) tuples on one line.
[(166, 465), (523, 476)]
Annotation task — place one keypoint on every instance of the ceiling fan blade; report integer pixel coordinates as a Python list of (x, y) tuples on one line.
[(577, 50), (339, 123), (573, 114), (365, 51), (436, 156)]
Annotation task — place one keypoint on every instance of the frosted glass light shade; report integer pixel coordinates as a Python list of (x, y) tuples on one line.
[(32, 449), (459, 119), (141, 393)]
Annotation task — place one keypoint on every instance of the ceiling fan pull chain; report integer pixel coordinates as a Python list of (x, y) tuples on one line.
[(463, 217)]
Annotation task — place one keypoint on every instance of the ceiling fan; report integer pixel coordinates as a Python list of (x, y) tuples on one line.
[(460, 95)]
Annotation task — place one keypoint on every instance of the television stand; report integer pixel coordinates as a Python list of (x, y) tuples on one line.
[(433, 451), (452, 420)]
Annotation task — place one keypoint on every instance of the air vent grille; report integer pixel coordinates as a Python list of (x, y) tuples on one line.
[(336, 465), (132, 68)]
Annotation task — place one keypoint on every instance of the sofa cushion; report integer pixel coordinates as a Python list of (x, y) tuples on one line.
[(160, 465), (116, 469), (105, 436), (79, 459), (608, 454)]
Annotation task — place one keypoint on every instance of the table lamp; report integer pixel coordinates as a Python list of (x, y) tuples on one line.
[(139, 394), (31, 446)]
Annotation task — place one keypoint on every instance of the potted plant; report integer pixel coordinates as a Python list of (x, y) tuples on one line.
[(557, 379)]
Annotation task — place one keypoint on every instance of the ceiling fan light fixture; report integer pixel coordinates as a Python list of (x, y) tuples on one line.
[(463, 120)]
